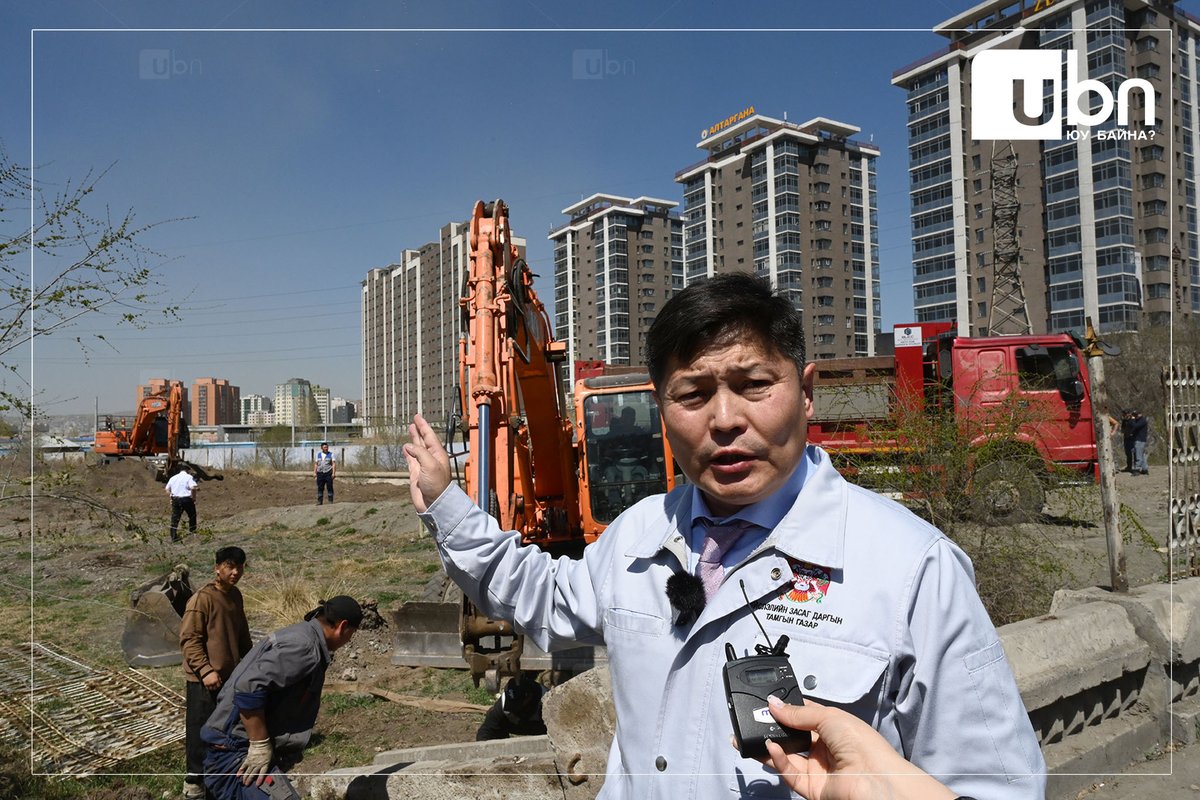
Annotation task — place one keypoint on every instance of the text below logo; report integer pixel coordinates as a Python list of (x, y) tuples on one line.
[(994, 78)]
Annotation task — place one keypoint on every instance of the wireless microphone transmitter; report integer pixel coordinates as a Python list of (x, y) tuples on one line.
[(748, 683)]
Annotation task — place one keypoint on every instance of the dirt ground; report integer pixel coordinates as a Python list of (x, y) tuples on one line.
[(84, 562)]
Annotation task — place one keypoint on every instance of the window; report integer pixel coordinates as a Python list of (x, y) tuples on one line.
[(1044, 369), (977, 185), (979, 211), (1157, 236), (1154, 180), (1152, 153), (975, 162), (1154, 208)]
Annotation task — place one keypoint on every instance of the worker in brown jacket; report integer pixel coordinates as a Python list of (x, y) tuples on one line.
[(214, 636)]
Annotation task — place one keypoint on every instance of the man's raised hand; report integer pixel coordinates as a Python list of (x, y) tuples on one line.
[(428, 464)]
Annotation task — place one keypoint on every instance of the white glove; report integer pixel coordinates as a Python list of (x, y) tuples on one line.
[(258, 762)]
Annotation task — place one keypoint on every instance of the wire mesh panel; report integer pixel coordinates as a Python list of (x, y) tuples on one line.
[(1183, 423), (77, 719)]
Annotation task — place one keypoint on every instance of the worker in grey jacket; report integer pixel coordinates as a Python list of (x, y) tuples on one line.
[(266, 710), (880, 607)]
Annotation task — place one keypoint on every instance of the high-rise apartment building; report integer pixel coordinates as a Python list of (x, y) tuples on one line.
[(795, 203), (616, 262), (321, 397), (162, 386), (1106, 221), (215, 402), (257, 410), (410, 327), (294, 403)]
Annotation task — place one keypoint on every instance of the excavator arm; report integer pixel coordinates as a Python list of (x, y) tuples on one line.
[(556, 481), (521, 465)]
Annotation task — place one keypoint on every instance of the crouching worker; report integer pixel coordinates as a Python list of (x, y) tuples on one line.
[(266, 710)]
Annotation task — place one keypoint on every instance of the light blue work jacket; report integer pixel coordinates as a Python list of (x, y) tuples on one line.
[(880, 609)]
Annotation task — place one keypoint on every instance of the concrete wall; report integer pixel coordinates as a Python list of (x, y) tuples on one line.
[(1107, 679)]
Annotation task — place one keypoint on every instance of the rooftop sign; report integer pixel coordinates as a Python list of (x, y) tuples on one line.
[(725, 123)]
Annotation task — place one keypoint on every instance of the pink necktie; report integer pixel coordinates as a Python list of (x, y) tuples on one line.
[(717, 542)]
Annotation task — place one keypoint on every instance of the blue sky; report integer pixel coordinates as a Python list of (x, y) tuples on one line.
[(302, 159)]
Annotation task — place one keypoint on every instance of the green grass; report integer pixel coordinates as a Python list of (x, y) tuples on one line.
[(340, 703), (385, 599), (323, 521), (450, 682), (370, 511)]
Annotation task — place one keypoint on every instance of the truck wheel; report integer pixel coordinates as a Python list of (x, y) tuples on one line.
[(1006, 492)]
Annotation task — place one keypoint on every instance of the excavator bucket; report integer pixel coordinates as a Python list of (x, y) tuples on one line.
[(151, 636), (429, 633), (165, 468)]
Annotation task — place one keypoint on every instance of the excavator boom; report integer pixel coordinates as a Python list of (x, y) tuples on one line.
[(558, 481)]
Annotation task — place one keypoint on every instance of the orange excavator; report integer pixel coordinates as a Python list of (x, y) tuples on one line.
[(158, 433), (558, 481)]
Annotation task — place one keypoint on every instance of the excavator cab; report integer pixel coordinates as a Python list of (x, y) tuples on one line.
[(623, 452)]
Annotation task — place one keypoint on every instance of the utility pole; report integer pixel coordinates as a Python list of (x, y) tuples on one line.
[(1095, 352)]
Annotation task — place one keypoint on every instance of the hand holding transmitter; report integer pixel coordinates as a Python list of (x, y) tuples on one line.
[(749, 681)]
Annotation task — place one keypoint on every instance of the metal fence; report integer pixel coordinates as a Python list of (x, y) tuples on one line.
[(1183, 425)]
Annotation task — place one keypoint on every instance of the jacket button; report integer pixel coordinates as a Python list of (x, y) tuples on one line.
[(775, 573), (810, 682), (660, 763)]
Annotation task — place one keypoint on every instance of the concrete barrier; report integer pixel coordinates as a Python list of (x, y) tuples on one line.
[(1106, 679)]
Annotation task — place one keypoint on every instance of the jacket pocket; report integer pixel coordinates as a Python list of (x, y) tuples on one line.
[(838, 673), (1000, 710), (626, 621)]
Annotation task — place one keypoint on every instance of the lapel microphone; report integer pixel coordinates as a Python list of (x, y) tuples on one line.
[(686, 593)]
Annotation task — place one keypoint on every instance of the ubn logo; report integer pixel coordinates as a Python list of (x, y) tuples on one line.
[(994, 77)]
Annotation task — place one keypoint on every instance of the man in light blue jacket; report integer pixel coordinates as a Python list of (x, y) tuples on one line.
[(880, 607)]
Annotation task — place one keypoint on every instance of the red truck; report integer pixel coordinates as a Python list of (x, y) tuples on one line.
[(1019, 407)]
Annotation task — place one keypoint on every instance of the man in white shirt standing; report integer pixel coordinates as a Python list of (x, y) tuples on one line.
[(182, 488)]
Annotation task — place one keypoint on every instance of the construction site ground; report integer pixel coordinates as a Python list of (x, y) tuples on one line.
[(93, 533)]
